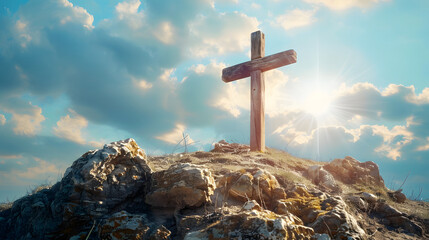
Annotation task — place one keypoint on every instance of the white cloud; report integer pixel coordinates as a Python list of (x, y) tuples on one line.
[(28, 122), (175, 136), (424, 147), (164, 32), (345, 4), (296, 18), (70, 127), (127, 8), (216, 34)]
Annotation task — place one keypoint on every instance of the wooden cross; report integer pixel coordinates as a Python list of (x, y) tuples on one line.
[(255, 69)]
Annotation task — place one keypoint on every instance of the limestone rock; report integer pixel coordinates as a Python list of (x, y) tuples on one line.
[(320, 176), (351, 171), (182, 185), (338, 222), (253, 225), (258, 185), (225, 147)]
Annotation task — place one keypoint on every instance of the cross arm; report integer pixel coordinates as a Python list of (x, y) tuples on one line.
[(243, 70)]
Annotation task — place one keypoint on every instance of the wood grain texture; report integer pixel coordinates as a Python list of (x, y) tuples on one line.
[(257, 49), (243, 70), (257, 111)]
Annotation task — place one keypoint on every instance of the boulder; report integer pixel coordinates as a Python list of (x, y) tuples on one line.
[(338, 223), (96, 183), (351, 171), (123, 225), (254, 225), (302, 204), (390, 216), (180, 186), (257, 185), (321, 177), (225, 147)]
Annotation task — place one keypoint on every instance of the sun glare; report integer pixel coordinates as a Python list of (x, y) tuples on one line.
[(317, 103)]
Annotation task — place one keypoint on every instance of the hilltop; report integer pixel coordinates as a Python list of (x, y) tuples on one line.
[(118, 192)]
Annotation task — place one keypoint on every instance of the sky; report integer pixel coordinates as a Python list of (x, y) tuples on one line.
[(77, 74)]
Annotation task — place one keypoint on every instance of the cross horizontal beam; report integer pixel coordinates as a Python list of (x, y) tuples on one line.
[(243, 70)]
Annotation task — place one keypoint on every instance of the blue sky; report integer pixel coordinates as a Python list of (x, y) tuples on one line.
[(78, 74)]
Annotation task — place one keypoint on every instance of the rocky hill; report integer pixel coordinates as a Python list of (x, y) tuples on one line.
[(229, 193)]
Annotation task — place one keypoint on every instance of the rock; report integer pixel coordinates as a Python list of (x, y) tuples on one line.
[(96, 183), (251, 205), (392, 217), (369, 197), (338, 222), (258, 185), (351, 171), (358, 202), (225, 147), (123, 225), (397, 196), (253, 225), (243, 188), (321, 177), (182, 185), (302, 204)]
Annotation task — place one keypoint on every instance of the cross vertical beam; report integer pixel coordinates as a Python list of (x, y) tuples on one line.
[(257, 95)]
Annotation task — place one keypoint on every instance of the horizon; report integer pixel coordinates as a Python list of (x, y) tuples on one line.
[(78, 74)]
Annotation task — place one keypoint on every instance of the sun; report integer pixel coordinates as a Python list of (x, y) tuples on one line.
[(317, 102)]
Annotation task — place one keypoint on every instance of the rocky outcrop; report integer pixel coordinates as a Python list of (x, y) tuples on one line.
[(338, 222), (254, 184), (351, 171), (321, 177), (182, 185), (225, 147), (392, 217), (95, 185), (254, 225), (112, 193)]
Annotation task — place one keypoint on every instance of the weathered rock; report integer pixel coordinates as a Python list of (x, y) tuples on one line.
[(321, 177), (225, 147), (302, 204), (398, 196), (338, 222), (243, 188), (358, 202), (392, 217), (251, 205), (182, 185), (254, 225), (123, 225), (369, 197), (258, 185), (97, 183), (351, 171)]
